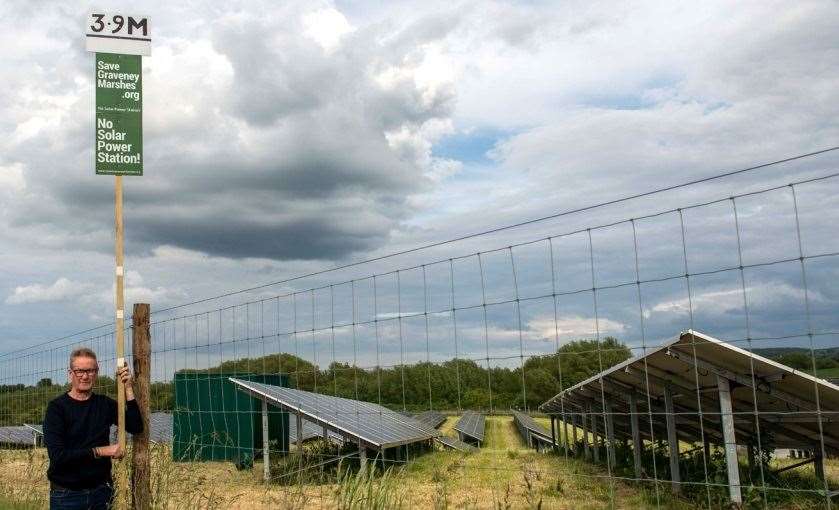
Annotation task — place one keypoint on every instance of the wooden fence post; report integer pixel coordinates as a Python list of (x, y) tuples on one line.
[(140, 461)]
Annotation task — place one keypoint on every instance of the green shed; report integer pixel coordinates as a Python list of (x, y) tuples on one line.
[(214, 421)]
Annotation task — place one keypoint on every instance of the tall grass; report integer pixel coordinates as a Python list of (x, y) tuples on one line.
[(363, 490)]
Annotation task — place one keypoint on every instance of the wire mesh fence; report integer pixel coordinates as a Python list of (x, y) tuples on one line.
[(529, 329)]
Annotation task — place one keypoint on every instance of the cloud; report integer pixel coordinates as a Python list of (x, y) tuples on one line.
[(303, 135), (326, 27), (763, 296), (11, 178), (573, 327), (62, 290), (261, 141)]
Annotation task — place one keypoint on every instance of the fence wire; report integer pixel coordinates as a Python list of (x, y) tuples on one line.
[(509, 329)]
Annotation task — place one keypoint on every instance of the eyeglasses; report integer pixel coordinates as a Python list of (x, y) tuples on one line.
[(79, 372)]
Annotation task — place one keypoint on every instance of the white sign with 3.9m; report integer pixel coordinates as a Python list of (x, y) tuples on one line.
[(118, 33)]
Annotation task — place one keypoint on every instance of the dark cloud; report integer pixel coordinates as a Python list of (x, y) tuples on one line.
[(280, 150)]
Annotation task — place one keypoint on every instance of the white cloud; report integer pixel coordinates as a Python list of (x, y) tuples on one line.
[(571, 328), (326, 27), (723, 301), (62, 290), (12, 178)]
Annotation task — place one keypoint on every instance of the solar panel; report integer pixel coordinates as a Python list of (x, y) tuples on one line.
[(370, 423), (18, 435), (310, 431), (160, 428), (432, 419), (530, 430), (472, 424), (689, 366), (37, 429), (455, 444)]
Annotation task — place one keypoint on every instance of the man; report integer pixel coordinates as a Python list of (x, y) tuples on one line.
[(76, 431)]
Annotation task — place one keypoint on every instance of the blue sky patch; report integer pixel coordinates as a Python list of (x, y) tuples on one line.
[(470, 148)]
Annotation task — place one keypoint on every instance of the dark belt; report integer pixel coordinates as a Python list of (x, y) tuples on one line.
[(55, 487)]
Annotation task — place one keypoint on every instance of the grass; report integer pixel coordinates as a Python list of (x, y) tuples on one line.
[(825, 373), (504, 474)]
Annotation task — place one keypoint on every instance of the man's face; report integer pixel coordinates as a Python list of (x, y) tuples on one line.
[(83, 371)]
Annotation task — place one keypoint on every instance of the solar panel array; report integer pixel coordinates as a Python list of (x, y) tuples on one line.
[(688, 366), (432, 419), (472, 424), (17, 435), (375, 425), (455, 444), (530, 430), (160, 428)]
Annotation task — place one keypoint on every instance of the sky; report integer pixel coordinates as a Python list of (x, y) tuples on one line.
[(285, 138)]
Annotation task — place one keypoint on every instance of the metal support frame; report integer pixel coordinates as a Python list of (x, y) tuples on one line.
[(732, 466), (672, 441), (610, 433), (793, 466), (553, 432), (299, 418), (595, 446), (586, 446), (362, 455), (574, 420), (762, 384), (266, 455), (637, 445), (818, 465)]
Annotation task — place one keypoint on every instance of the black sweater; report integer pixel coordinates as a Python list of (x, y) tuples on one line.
[(72, 428)]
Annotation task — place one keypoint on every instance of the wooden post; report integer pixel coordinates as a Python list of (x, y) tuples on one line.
[(266, 454), (672, 441), (637, 445), (141, 461), (730, 442), (553, 432), (120, 305), (610, 434)]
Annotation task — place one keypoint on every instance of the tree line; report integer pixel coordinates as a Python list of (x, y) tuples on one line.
[(449, 385)]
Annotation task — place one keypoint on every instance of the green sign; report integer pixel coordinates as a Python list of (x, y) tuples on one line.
[(119, 114)]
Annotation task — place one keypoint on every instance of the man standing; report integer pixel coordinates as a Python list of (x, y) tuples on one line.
[(76, 431)]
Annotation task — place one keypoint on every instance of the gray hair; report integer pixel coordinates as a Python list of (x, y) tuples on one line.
[(82, 352)]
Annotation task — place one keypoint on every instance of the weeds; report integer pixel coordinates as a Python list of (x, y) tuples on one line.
[(362, 490)]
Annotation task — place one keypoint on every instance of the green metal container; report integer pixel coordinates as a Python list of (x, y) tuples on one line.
[(215, 421)]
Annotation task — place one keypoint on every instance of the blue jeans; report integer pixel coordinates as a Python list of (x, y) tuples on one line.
[(87, 499)]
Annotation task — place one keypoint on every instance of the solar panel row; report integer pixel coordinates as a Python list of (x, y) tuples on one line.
[(160, 428), (370, 423), (690, 367), (472, 424), (534, 434), (455, 444), (17, 435), (432, 419)]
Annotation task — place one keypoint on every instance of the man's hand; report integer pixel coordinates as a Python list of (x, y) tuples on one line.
[(124, 376), (113, 451)]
